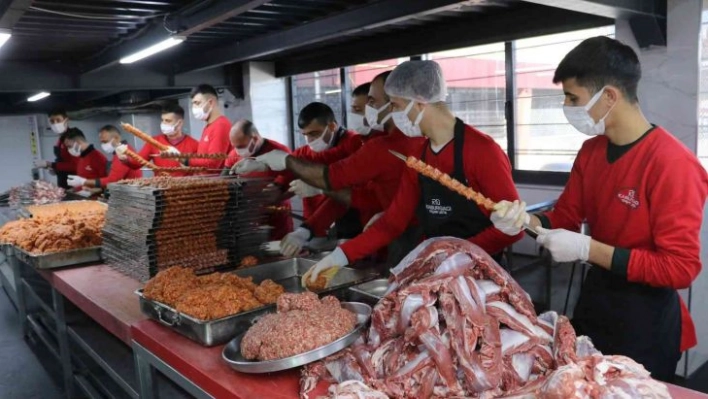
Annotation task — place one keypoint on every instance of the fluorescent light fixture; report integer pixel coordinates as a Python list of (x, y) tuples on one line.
[(163, 45), (38, 96), (4, 36), (333, 91)]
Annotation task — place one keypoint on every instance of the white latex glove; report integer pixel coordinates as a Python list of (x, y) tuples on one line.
[(363, 130), (337, 259), (75, 181), (84, 193), (292, 243), (275, 160), (40, 163), (510, 217), (373, 220), (171, 150), (564, 245), (303, 190), (248, 165), (120, 152)]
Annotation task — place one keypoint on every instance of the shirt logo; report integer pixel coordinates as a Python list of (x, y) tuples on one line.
[(88, 168), (628, 196), (205, 138)]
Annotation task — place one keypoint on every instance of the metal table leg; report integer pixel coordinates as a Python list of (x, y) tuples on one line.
[(63, 339), (16, 267), (146, 363)]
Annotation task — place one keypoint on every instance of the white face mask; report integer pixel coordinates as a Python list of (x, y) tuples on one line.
[(410, 129), (372, 116), (60, 127), (318, 144), (356, 122), (579, 116), (200, 113), (75, 150), (108, 147), (168, 130), (250, 149)]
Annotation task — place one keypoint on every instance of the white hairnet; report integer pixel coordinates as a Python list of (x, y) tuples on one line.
[(417, 80)]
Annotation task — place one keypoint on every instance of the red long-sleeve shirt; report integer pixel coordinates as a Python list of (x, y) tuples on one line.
[(150, 153), (650, 202), (92, 164), (280, 220), (487, 170), (347, 144), (215, 140), (118, 172)]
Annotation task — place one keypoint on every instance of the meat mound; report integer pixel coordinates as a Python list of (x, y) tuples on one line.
[(268, 291), (303, 323), (210, 302)]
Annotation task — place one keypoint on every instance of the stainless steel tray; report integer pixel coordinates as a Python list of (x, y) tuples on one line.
[(287, 273), (232, 351), (374, 288), (59, 259)]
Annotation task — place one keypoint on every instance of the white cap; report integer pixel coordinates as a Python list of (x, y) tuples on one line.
[(421, 81)]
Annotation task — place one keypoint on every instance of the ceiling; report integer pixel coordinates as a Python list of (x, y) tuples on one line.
[(72, 48)]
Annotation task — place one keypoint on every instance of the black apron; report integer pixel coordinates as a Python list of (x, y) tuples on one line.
[(635, 320), (443, 212), (62, 177)]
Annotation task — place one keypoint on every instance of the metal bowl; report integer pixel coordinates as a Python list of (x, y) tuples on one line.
[(232, 351)]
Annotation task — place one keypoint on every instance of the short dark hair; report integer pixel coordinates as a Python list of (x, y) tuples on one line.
[(110, 129), (316, 111), (247, 127), (173, 109), (361, 90), (73, 134), (382, 76), (58, 112), (601, 61), (204, 89)]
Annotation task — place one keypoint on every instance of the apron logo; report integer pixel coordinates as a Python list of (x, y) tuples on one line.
[(436, 209), (628, 197)]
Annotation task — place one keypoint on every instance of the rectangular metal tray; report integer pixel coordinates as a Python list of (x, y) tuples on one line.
[(374, 288), (216, 332), (59, 259)]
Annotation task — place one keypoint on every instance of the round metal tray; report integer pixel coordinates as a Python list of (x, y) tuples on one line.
[(232, 351)]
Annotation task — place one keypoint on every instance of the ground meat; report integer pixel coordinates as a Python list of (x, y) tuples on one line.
[(169, 285), (268, 292), (211, 302), (301, 324)]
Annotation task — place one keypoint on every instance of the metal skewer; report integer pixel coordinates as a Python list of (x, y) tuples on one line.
[(528, 229)]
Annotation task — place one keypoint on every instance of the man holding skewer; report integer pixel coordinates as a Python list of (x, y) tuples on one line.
[(417, 92)]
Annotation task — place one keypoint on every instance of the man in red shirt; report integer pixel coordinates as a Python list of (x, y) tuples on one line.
[(417, 90), (172, 135), (110, 138), (247, 143), (64, 164), (642, 193), (92, 164), (215, 137), (367, 180), (327, 142)]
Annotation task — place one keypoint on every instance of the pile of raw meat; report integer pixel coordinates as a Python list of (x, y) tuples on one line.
[(35, 193), (454, 324), (303, 323)]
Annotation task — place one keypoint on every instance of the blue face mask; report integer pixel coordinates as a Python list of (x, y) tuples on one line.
[(404, 124)]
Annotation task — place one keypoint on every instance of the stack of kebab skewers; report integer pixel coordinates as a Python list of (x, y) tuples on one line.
[(164, 153)]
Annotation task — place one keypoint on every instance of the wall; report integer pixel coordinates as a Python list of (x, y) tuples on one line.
[(15, 151)]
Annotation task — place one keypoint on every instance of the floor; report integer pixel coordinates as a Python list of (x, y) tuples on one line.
[(27, 371)]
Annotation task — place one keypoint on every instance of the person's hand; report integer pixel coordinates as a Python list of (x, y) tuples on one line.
[(274, 159), (248, 165), (510, 217), (120, 152), (292, 244), (303, 190), (75, 181), (564, 245), (363, 130), (171, 150), (84, 193), (330, 263), (40, 163), (373, 220)]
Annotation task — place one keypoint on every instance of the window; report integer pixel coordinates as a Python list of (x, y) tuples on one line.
[(323, 86), (702, 150), (475, 78), (365, 73), (544, 139)]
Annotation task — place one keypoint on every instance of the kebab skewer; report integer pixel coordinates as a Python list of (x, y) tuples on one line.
[(185, 155), (143, 136), (453, 184)]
